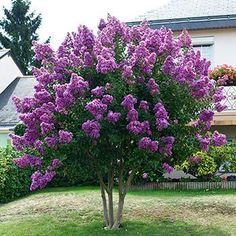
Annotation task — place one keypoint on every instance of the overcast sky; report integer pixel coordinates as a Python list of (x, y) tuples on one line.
[(61, 16)]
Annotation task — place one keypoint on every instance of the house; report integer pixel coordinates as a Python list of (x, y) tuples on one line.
[(12, 83), (212, 26)]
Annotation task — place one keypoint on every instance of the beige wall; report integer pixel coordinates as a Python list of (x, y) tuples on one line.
[(224, 49)]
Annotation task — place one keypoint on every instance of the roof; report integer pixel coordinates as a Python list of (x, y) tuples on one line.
[(9, 70), (192, 14), (3, 52), (20, 87)]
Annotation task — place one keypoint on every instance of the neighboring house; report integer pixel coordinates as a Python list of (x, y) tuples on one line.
[(212, 26), (12, 83)]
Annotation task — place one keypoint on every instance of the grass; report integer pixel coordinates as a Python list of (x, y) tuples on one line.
[(77, 211)]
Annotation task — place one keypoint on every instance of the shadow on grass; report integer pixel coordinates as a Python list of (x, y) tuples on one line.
[(72, 226), (163, 228)]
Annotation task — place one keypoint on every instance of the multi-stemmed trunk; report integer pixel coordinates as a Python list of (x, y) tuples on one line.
[(111, 221)]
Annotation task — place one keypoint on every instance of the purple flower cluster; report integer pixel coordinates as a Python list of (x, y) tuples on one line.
[(65, 136), (113, 117), (204, 142), (28, 160), (168, 141), (98, 91), (167, 167), (107, 99), (137, 127), (218, 97), (97, 108), (129, 102), (205, 119), (218, 139), (92, 128), (147, 144), (161, 116), (40, 180), (132, 115), (144, 105), (153, 87)]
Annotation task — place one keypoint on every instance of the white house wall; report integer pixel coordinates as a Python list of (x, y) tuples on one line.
[(224, 44), (8, 72)]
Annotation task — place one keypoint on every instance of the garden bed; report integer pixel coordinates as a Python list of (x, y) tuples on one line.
[(186, 185)]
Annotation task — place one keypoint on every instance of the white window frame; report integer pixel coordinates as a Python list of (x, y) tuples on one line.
[(205, 41)]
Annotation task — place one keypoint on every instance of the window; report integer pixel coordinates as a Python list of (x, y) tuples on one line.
[(206, 51), (205, 45)]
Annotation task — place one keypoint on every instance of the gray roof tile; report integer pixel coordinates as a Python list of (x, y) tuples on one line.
[(175, 9), (20, 87)]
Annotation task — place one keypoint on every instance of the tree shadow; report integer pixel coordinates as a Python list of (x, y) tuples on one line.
[(163, 228)]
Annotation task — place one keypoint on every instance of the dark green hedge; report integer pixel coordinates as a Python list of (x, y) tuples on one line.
[(14, 182), (72, 173)]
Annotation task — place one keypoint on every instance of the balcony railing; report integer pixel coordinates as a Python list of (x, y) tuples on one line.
[(230, 100)]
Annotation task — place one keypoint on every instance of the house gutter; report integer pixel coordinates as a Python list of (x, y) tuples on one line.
[(193, 23)]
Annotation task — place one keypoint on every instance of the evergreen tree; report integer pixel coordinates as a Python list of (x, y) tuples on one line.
[(18, 29)]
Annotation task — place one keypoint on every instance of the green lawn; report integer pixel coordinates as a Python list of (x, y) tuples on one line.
[(77, 211)]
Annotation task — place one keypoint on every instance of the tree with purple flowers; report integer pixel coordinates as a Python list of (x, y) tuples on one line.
[(118, 101)]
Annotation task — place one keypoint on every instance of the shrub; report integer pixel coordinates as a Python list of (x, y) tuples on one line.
[(224, 75), (14, 182), (225, 156), (72, 173), (201, 165)]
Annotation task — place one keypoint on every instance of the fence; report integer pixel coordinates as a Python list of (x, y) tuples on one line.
[(186, 185)]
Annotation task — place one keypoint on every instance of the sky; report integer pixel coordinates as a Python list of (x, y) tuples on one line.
[(62, 16)]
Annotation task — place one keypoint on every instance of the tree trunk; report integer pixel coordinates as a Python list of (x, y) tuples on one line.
[(110, 209), (104, 203), (108, 205), (119, 215)]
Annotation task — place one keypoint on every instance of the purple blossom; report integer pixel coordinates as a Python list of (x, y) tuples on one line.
[(218, 95), (218, 139), (98, 91), (167, 167), (46, 127), (92, 128), (137, 127), (219, 107), (65, 136), (161, 117), (147, 144), (153, 87), (144, 105), (28, 160), (40, 180), (113, 117), (96, 108), (107, 99), (168, 141), (129, 102), (51, 141), (204, 142), (42, 51), (127, 71), (185, 39), (132, 115), (55, 164)]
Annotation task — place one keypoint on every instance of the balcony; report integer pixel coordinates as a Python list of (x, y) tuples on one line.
[(227, 117)]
